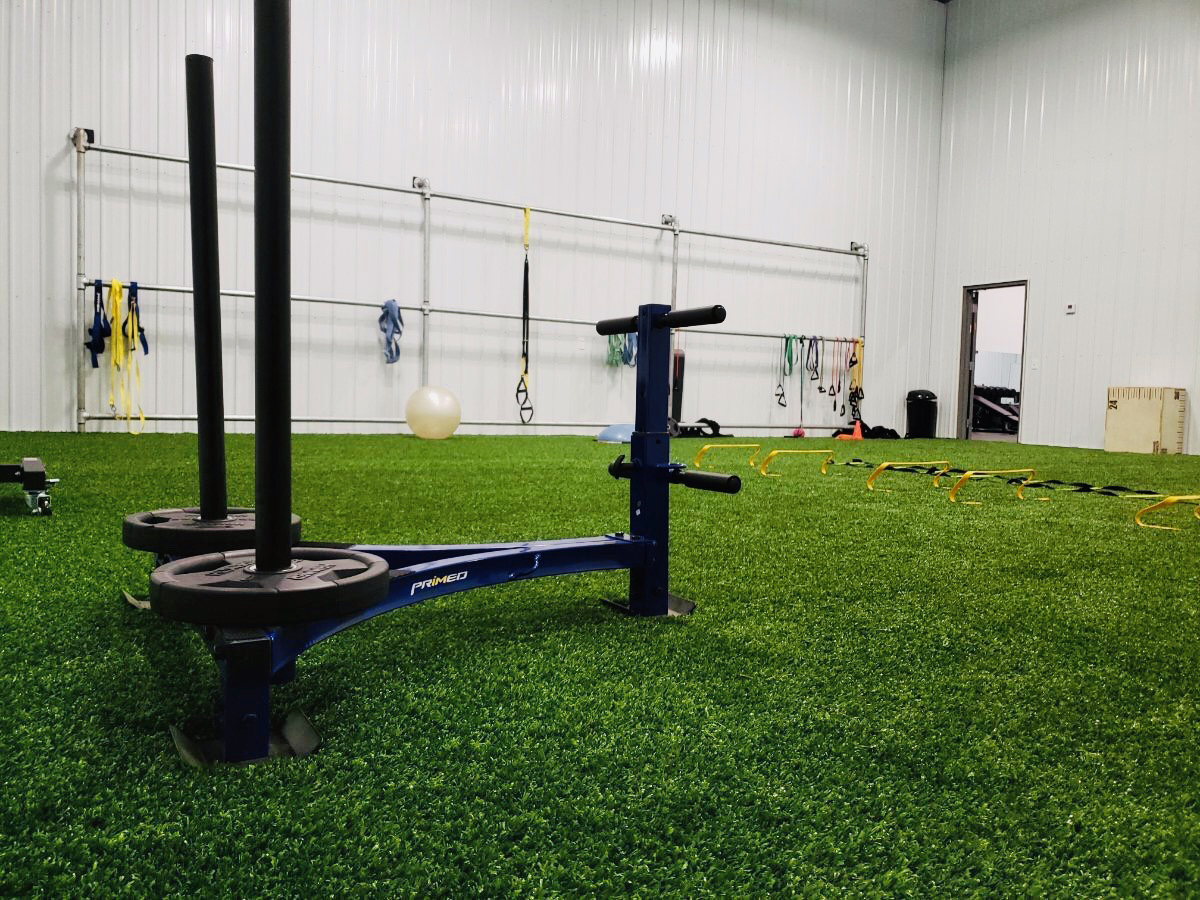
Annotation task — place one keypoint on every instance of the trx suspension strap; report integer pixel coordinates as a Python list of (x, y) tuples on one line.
[(132, 326), (812, 359), (523, 402), (391, 323), (132, 333), (834, 379), (101, 328), (847, 361), (856, 391), (801, 345), (820, 368), (787, 363)]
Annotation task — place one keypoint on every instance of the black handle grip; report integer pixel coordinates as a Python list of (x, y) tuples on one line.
[(618, 468), (684, 318), (709, 481), (626, 325), (680, 318)]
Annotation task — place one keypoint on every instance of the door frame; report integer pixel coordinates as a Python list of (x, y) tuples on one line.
[(966, 360)]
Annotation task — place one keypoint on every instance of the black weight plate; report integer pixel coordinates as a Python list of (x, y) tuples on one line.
[(224, 589), (181, 532)]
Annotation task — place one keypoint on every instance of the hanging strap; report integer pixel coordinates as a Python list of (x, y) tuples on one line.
[(132, 326), (132, 333), (622, 350), (391, 323), (787, 364), (115, 294), (101, 328), (524, 403), (856, 394), (835, 372), (812, 359)]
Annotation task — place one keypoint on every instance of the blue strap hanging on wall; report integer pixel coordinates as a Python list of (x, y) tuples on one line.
[(391, 323), (101, 328)]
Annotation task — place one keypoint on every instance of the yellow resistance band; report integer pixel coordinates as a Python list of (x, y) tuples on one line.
[(124, 371), (115, 294)]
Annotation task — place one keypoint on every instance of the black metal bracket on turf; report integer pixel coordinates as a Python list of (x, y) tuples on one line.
[(30, 474), (262, 605)]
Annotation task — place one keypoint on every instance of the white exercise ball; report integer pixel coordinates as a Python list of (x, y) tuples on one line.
[(433, 413)]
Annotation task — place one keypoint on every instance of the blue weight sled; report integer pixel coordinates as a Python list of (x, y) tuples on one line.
[(261, 597)]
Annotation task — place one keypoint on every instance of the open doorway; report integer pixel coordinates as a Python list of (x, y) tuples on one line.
[(993, 351)]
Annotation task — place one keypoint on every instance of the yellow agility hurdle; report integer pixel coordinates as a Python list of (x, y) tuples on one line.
[(707, 447), (987, 473), (762, 470), (943, 466), (1165, 503)]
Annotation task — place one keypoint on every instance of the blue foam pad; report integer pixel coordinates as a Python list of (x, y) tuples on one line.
[(615, 434)]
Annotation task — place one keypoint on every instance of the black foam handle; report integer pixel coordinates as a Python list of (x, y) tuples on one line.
[(709, 481), (625, 325), (685, 318), (680, 318)]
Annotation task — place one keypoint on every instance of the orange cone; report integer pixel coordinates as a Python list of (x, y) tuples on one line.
[(857, 436)]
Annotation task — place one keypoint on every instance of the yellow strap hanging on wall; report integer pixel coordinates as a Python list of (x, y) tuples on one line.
[(119, 348), (124, 370), (527, 228)]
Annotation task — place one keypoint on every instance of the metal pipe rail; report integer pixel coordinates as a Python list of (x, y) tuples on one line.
[(348, 420), (81, 140), (855, 249), (446, 310)]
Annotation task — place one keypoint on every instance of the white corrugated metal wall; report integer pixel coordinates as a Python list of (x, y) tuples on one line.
[(815, 122), (1069, 158)]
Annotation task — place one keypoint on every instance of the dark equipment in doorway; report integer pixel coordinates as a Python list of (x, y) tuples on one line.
[(996, 409)]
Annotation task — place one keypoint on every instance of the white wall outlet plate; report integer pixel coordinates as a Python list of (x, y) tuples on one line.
[(1070, 309)]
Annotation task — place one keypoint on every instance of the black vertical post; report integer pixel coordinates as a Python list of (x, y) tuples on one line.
[(677, 365), (649, 448), (272, 285), (206, 291)]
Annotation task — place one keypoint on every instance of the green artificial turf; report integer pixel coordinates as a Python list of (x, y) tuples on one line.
[(879, 693)]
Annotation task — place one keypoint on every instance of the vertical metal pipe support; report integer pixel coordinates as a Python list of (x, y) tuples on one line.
[(865, 253), (272, 285), (422, 185), (80, 140), (669, 219)]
